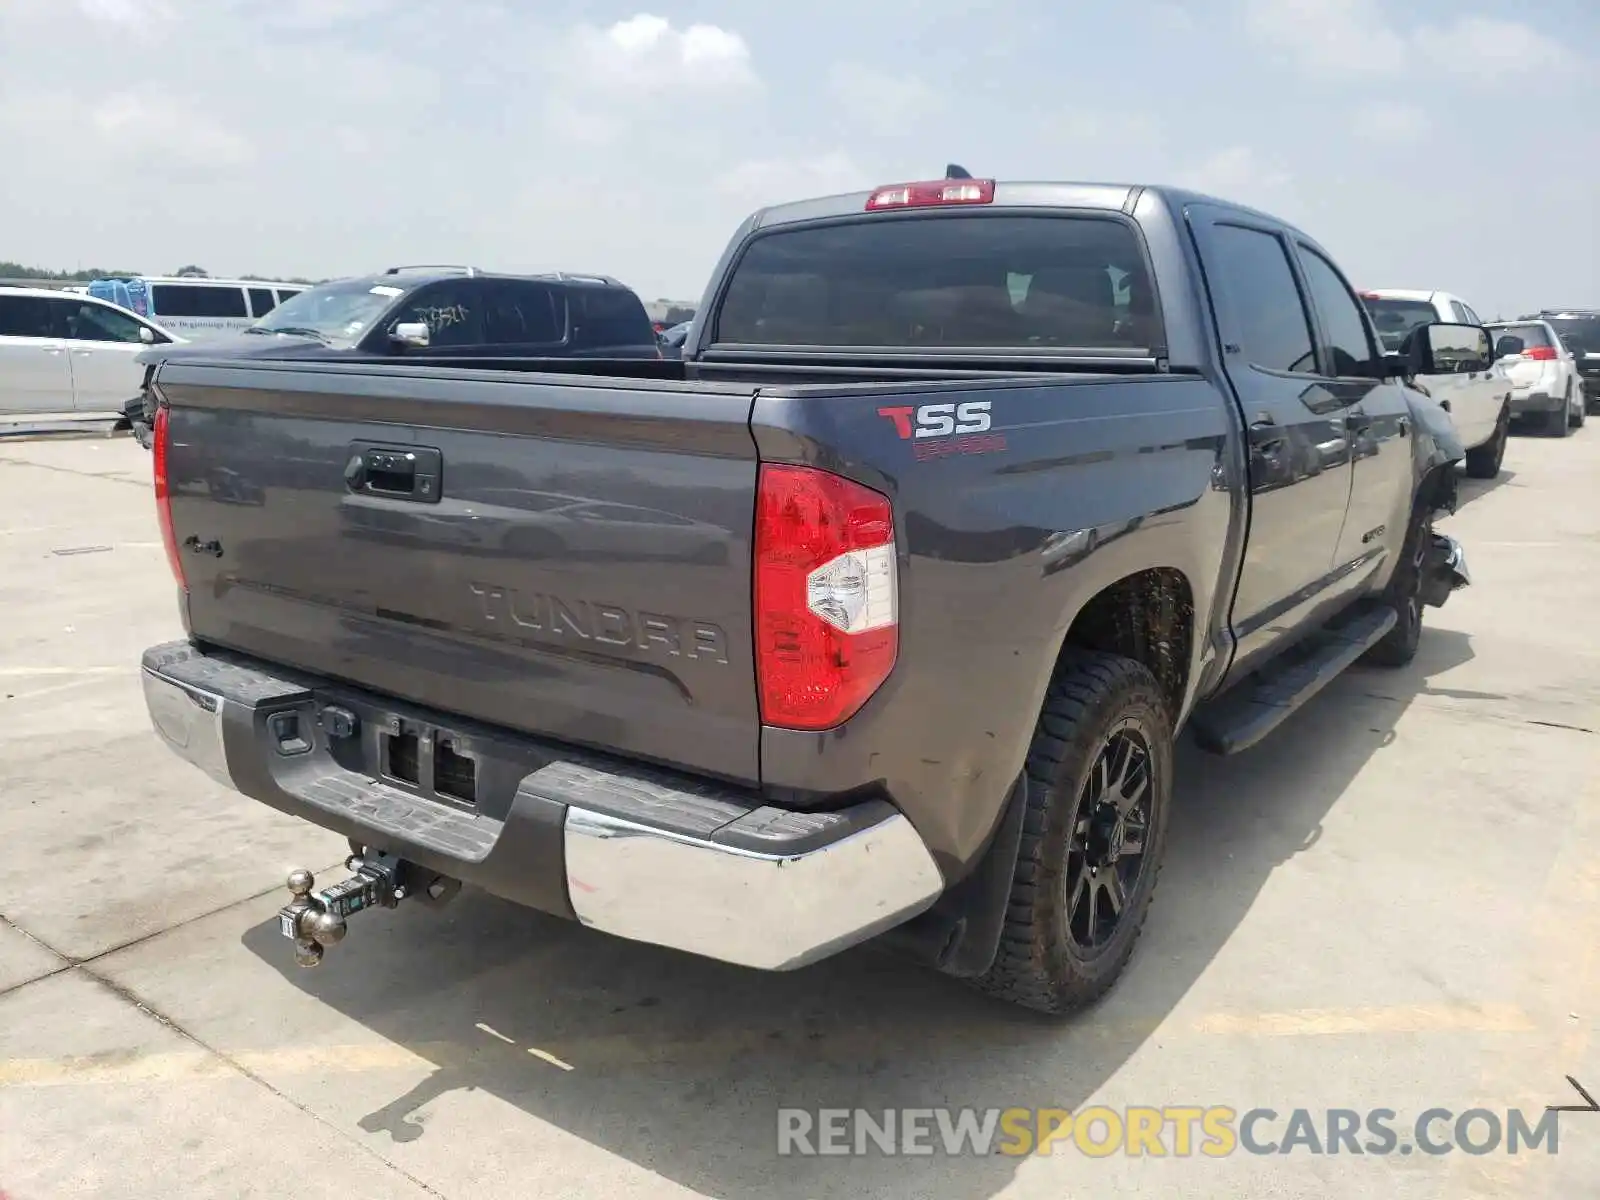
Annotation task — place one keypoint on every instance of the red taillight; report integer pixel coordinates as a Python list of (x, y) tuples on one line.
[(826, 596), (934, 192), (1542, 353), (158, 455)]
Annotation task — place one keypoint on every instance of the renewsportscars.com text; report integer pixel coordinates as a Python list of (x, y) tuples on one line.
[(1166, 1131)]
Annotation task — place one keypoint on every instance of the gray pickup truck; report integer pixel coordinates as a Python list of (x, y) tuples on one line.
[(874, 617)]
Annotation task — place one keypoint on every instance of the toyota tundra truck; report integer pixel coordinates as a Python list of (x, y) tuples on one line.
[(873, 618)]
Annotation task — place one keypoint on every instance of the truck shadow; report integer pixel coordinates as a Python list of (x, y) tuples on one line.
[(679, 1065), (1469, 489)]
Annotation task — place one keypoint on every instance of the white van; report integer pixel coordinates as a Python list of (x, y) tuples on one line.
[(197, 308)]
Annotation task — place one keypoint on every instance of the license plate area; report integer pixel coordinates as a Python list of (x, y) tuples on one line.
[(435, 756), (429, 760)]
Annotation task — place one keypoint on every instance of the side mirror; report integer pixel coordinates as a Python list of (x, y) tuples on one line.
[(1508, 345), (410, 333), (147, 335), (1444, 348)]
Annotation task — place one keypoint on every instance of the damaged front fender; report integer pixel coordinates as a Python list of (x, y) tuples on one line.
[(1435, 450), (1444, 570)]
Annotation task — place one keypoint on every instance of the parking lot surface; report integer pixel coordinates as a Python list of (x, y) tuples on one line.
[(1393, 903)]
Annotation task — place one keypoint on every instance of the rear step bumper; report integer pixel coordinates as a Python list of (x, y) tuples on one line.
[(643, 854)]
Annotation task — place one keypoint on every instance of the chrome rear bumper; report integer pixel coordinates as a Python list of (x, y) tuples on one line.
[(639, 853)]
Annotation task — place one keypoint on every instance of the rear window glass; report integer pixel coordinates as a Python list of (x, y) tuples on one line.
[(608, 317), (1396, 318), (1066, 283), (197, 300), (1531, 335)]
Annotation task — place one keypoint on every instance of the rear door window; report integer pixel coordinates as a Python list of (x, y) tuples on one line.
[(1067, 284), (198, 300), (261, 301), (1266, 313), (518, 313), (608, 316)]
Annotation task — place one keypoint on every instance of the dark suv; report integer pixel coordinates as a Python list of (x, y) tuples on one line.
[(435, 315), (447, 312), (1579, 331)]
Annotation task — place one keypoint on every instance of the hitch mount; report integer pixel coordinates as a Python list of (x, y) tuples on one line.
[(315, 919)]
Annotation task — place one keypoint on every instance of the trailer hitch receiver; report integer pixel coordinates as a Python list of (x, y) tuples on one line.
[(316, 919)]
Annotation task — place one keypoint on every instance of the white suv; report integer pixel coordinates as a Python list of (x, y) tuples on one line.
[(1545, 384), (63, 353), (1478, 401)]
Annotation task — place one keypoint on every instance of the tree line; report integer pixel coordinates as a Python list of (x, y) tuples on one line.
[(16, 270)]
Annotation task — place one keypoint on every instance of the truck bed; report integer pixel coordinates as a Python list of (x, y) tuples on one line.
[(585, 573)]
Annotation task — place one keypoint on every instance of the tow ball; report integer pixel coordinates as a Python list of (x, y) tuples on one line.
[(316, 919)]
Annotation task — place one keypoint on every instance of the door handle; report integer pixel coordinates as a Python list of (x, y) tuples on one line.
[(411, 473)]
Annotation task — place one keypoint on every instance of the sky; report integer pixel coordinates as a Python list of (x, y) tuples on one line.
[(1431, 144)]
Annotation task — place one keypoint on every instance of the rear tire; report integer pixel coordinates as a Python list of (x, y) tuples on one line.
[(1558, 423), (1579, 412), (1404, 594), (1099, 791), (1483, 462)]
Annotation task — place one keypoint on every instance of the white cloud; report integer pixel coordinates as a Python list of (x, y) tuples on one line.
[(150, 129), (132, 13), (883, 102), (1390, 123), (1096, 127), (1486, 48), (1172, 18), (1331, 37), (142, 126), (760, 182), (1238, 174), (321, 14), (644, 55), (1340, 38)]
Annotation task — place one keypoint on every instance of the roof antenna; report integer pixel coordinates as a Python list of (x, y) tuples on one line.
[(956, 172)]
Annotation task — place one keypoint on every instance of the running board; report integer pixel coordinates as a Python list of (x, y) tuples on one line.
[(1246, 713)]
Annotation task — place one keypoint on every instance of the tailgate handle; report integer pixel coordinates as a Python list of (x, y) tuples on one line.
[(395, 472)]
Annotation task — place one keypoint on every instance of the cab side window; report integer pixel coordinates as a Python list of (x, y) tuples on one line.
[(1349, 348), (1260, 293), (452, 311)]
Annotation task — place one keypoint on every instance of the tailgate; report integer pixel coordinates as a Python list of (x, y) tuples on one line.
[(562, 556)]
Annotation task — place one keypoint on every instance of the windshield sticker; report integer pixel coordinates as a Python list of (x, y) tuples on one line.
[(385, 290)]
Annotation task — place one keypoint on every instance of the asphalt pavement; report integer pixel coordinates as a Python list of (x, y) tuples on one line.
[(1393, 903)]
